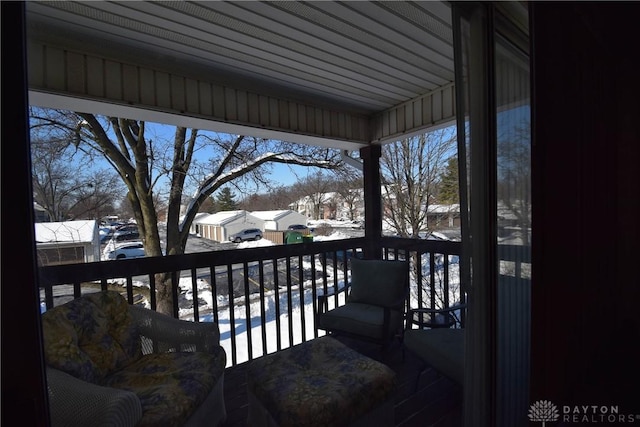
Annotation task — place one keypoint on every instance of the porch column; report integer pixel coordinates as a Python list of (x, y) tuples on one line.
[(370, 156)]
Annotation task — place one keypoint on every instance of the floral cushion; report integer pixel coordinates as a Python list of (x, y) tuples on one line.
[(170, 385), (95, 338), (91, 337), (321, 382)]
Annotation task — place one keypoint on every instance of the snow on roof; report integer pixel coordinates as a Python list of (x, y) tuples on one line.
[(272, 215), (454, 208), (220, 218), (67, 231)]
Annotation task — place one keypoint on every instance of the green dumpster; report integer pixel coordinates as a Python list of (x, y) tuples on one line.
[(293, 237)]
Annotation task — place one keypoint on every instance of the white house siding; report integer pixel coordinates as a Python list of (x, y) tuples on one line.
[(67, 242), (279, 219), (221, 225)]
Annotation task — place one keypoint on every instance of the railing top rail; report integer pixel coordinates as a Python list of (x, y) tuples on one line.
[(421, 245), (85, 272)]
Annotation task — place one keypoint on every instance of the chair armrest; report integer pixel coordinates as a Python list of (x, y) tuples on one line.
[(322, 299), (163, 333), (449, 309), (74, 402), (439, 317)]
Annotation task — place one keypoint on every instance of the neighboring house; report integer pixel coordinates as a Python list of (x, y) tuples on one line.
[(280, 219), (68, 242), (303, 206), (327, 208), (443, 216), (40, 213), (351, 207), (219, 226)]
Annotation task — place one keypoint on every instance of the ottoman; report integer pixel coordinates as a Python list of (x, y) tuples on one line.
[(321, 382)]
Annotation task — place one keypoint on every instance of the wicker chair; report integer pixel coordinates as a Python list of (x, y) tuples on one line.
[(111, 363)]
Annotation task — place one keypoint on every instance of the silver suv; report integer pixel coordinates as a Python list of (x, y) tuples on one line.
[(246, 234)]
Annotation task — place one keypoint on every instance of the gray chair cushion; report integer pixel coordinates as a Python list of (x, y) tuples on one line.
[(379, 282), (441, 348), (360, 319)]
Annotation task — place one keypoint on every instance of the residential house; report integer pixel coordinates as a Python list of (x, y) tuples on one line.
[(316, 206), (220, 225), (67, 242), (443, 216), (39, 213), (330, 205), (277, 220)]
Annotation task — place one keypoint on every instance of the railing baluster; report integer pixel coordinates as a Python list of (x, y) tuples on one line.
[(289, 301), (194, 292), (77, 290), (175, 284), (232, 317), (445, 266), (263, 316), (419, 278), (432, 281), (276, 296), (301, 292), (325, 281), (130, 292), (335, 277), (214, 294), (314, 292), (247, 310), (152, 292), (48, 297)]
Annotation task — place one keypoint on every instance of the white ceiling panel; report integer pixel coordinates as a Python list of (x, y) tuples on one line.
[(354, 55)]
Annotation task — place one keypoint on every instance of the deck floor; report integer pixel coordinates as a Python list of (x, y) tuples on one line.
[(436, 401)]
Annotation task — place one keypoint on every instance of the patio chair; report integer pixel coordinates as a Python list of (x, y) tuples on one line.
[(439, 339), (114, 364), (375, 302)]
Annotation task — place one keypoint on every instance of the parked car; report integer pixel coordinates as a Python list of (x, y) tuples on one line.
[(246, 234), (127, 227), (106, 235), (125, 236), (298, 227), (126, 250)]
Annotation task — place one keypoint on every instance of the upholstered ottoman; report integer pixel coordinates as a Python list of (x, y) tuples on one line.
[(321, 382)]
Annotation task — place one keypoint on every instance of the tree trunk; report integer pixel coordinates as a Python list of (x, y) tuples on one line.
[(164, 294)]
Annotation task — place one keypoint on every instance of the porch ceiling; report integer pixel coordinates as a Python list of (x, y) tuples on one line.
[(342, 74)]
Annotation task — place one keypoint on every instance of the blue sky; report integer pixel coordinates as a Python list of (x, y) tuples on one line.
[(282, 174)]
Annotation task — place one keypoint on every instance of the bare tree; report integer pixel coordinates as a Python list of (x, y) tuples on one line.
[(348, 183), (351, 195), (276, 198), (316, 188), (141, 162), (514, 178), (64, 191), (411, 171)]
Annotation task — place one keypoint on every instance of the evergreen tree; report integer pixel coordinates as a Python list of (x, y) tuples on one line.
[(209, 205), (225, 201), (449, 187)]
